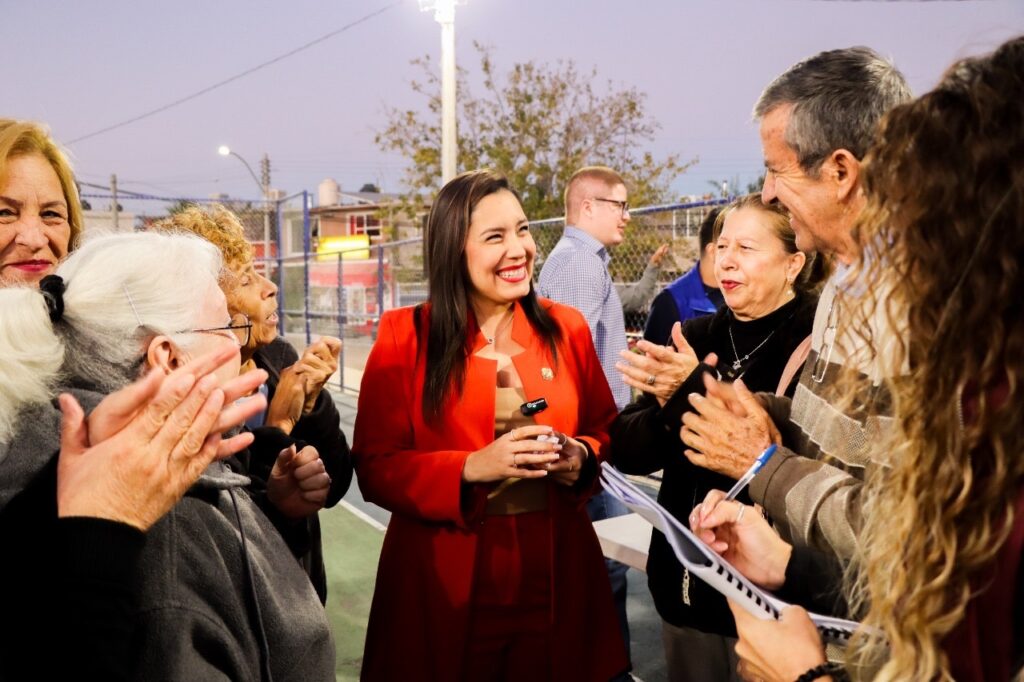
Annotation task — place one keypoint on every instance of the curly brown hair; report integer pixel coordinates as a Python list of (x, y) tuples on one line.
[(217, 225), (945, 224)]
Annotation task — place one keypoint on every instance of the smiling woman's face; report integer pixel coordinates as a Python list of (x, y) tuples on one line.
[(499, 250), (34, 228), (753, 269)]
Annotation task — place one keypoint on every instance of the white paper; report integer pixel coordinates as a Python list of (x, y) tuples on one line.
[(708, 565)]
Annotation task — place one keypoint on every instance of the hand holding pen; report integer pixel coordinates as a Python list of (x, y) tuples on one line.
[(747, 542)]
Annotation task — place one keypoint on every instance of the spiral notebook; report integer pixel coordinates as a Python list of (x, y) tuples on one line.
[(706, 564)]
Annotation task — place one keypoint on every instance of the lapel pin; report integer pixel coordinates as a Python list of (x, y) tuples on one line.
[(546, 373)]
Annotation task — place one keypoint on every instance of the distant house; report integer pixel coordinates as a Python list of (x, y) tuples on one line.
[(352, 233), (375, 214)]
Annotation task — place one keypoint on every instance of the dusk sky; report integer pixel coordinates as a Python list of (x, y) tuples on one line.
[(83, 66)]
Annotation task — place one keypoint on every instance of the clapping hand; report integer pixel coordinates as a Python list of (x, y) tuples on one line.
[(318, 364), (298, 483), (717, 437), (143, 446), (300, 384), (658, 370)]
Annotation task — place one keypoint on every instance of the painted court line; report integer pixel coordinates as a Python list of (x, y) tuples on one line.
[(363, 515)]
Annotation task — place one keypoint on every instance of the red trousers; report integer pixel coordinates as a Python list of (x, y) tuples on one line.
[(510, 626)]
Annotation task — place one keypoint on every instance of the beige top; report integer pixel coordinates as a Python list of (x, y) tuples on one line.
[(514, 495)]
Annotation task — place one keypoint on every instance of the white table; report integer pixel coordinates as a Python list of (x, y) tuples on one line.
[(625, 539)]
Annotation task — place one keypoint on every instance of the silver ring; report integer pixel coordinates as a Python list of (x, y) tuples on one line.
[(516, 464), (650, 379), (512, 435), (739, 516)]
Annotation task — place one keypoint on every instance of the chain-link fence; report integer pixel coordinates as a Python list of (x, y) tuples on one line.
[(346, 290), (343, 291)]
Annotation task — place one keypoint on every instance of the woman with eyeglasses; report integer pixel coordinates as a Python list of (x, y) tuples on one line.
[(482, 416), (299, 409), (214, 591), (107, 492), (769, 290)]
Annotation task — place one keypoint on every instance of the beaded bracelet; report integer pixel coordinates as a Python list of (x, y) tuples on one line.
[(837, 672)]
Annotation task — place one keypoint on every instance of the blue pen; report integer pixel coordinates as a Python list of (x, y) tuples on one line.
[(746, 478)]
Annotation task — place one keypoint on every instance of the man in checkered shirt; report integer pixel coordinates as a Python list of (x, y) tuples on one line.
[(576, 273)]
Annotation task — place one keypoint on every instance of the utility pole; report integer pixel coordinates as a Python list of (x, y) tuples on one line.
[(265, 182), (113, 206), (444, 14)]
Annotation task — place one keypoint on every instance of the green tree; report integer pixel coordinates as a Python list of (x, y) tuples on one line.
[(536, 124)]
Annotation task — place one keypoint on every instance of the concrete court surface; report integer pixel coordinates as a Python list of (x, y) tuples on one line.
[(352, 547)]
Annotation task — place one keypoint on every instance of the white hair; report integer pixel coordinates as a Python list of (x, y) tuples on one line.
[(121, 289)]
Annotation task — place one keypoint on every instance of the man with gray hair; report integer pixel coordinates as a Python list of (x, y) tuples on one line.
[(817, 121)]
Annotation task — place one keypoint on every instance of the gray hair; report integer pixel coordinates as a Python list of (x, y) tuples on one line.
[(120, 290), (838, 99)]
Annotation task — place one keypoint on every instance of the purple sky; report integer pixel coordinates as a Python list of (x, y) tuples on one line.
[(81, 66)]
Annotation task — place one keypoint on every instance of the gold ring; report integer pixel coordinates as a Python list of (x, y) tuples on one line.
[(512, 435), (514, 463)]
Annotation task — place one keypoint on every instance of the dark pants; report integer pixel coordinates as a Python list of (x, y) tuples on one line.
[(695, 656)]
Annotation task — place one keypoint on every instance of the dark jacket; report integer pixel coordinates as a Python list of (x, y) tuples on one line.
[(321, 428), (645, 438)]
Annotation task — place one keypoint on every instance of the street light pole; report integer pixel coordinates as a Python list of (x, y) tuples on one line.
[(444, 14), (264, 185)]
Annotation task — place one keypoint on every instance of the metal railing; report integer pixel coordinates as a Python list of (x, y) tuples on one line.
[(344, 292)]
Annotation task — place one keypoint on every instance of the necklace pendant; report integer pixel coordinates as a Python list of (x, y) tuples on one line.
[(737, 364)]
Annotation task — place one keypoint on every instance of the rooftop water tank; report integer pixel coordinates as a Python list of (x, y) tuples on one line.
[(328, 193)]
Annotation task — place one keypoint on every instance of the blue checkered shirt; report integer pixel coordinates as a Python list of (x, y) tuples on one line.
[(576, 274)]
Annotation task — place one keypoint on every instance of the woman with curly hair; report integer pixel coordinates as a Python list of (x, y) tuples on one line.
[(298, 408), (938, 571)]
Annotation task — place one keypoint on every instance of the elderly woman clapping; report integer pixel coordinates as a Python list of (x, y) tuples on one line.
[(215, 592), (768, 286), (116, 474), (298, 406)]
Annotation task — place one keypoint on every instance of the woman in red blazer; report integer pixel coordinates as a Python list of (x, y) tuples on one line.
[(490, 568)]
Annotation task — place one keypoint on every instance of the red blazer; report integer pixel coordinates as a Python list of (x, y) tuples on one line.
[(421, 605)]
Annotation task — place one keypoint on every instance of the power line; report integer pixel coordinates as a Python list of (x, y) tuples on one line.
[(231, 79)]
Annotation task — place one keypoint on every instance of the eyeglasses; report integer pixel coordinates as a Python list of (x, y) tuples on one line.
[(623, 205), (828, 341), (240, 328)]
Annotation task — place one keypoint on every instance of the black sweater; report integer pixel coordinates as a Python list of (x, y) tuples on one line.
[(645, 438), (321, 428)]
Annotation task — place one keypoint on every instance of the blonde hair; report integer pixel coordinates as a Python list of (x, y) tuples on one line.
[(938, 510), (215, 224), (817, 267), (575, 189), (24, 138)]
